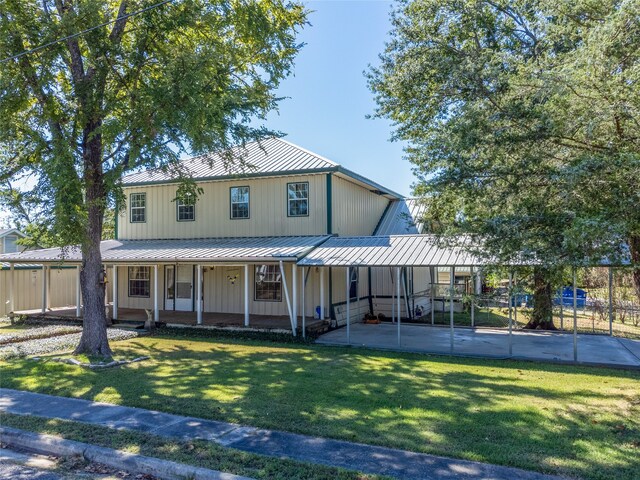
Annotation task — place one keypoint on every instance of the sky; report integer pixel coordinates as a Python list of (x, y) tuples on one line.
[(329, 97)]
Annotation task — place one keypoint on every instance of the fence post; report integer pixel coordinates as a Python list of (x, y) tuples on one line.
[(610, 300), (473, 298)]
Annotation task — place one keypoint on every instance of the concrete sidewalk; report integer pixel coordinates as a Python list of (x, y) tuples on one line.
[(364, 458), (597, 350)]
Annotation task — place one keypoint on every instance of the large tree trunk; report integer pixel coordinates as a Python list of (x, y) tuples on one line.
[(94, 339), (634, 250), (542, 317)]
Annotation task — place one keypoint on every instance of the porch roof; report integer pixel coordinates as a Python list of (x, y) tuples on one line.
[(390, 251), (205, 250)]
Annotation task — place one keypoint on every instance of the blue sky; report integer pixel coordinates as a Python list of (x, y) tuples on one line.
[(328, 94)]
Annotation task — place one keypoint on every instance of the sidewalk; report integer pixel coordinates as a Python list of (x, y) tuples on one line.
[(364, 458)]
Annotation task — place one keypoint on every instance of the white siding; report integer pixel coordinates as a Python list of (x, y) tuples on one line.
[(267, 204)]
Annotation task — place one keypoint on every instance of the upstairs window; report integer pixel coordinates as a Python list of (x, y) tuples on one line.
[(268, 283), (10, 245), (138, 207), (239, 202), (139, 281), (186, 209), (298, 199)]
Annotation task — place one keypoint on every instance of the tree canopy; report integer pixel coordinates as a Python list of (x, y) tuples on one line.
[(522, 121), (92, 89)]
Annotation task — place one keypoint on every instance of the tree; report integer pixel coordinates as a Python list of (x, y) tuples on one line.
[(92, 89), (523, 124)]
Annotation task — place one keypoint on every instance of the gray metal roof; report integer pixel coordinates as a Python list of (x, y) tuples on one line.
[(402, 217), (245, 249), (7, 231), (268, 157), (389, 250)]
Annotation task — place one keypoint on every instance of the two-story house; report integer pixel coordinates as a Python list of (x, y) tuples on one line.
[(235, 248)]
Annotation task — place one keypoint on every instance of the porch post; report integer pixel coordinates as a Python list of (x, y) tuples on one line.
[(348, 278), (304, 284), (575, 317), (48, 293), (246, 295), (199, 294), (114, 276), (78, 292), (12, 280), (294, 294), (398, 297), (509, 298), (610, 300), (451, 286), (473, 299), (321, 293), (286, 295), (44, 288), (393, 297), (156, 312), (432, 274)]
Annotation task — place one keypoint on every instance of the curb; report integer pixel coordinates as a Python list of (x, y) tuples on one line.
[(163, 469)]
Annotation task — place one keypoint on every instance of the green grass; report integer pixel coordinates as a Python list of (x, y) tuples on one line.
[(578, 421), (199, 453)]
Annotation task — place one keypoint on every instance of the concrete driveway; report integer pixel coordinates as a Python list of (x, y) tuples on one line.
[(529, 345)]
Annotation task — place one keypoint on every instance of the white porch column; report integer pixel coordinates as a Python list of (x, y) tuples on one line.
[(398, 299), (294, 294), (286, 295), (78, 292), (156, 307), (451, 293), (510, 299), (44, 288), (114, 291), (473, 299), (48, 295), (199, 294), (304, 284), (246, 295), (432, 274), (610, 301), (321, 293), (12, 287), (348, 278)]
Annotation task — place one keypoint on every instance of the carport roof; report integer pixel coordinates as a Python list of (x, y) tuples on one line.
[(390, 251), (237, 249)]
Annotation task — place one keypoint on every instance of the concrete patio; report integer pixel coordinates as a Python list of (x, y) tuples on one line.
[(527, 345)]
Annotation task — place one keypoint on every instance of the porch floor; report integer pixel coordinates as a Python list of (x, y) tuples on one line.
[(212, 319)]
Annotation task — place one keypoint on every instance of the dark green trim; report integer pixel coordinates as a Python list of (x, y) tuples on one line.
[(308, 199), (37, 267), (384, 214), (332, 314), (231, 217), (370, 297), (329, 205), (131, 207)]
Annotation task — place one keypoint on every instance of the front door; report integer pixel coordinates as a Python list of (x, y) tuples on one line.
[(179, 287)]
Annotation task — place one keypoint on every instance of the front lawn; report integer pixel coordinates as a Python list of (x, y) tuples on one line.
[(578, 421)]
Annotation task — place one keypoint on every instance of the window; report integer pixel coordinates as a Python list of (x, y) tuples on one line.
[(353, 285), (139, 281), (138, 206), (10, 245), (298, 199), (186, 209), (239, 202), (268, 283)]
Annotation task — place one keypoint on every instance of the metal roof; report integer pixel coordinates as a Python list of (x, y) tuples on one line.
[(239, 249), (389, 250), (7, 231), (268, 157), (402, 217)]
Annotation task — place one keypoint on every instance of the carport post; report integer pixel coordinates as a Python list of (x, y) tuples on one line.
[(304, 335), (246, 295), (114, 280), (610, 300), (575, 317), (199, 294), (44, 288), (348, 277), (286, 296), (11, 287), (432, 274), (398, 297), (509, 299), (321, 293), (156, 312), (473, 299), (451, 279), (294, 294), (78, 293)]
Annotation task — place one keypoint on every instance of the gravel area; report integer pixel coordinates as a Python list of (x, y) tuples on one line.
[(55, 344), (37, 333)]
